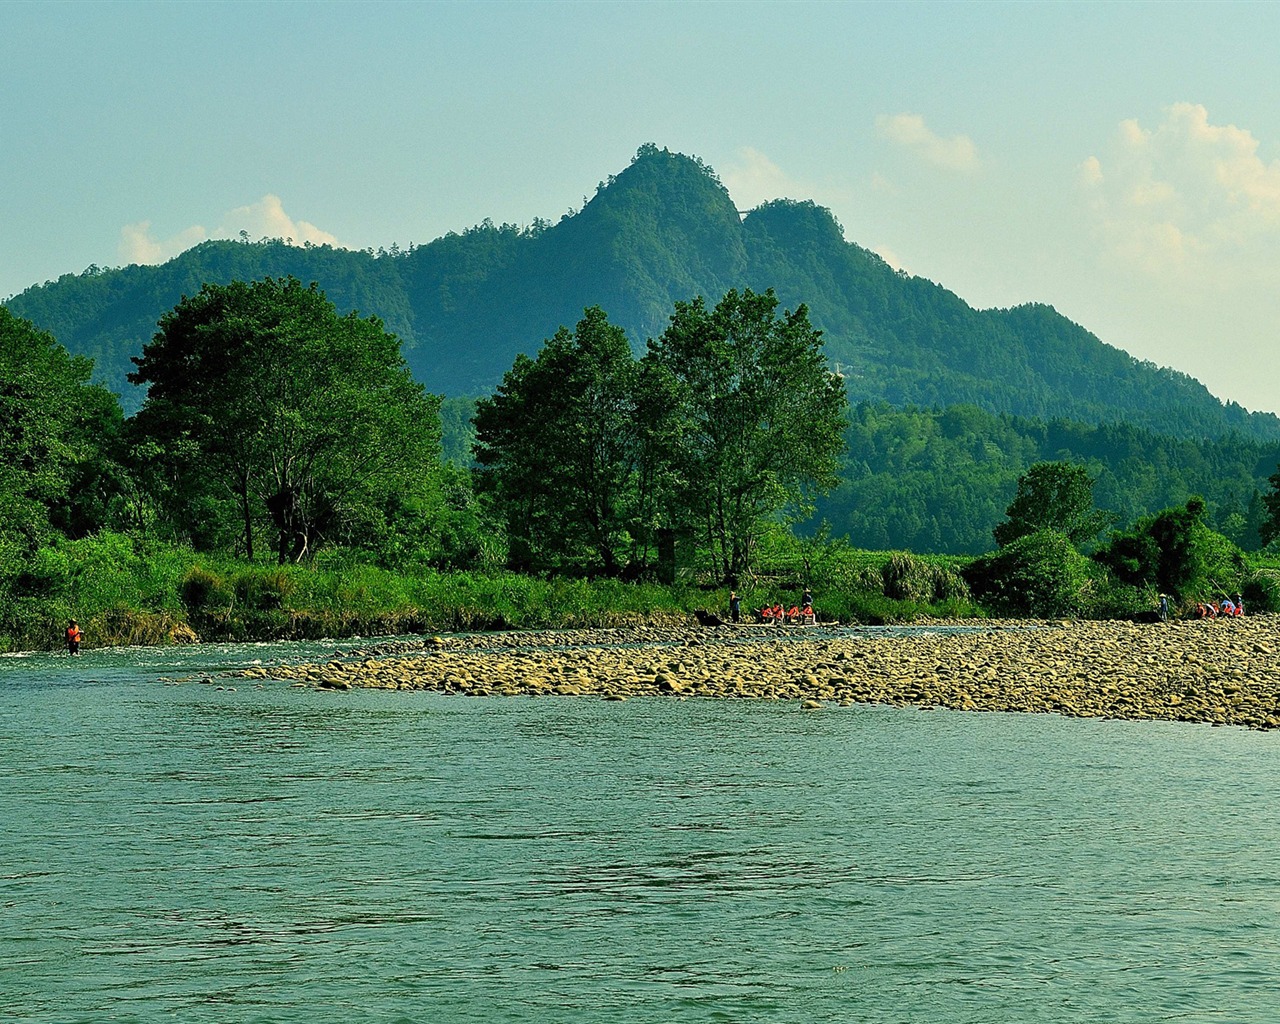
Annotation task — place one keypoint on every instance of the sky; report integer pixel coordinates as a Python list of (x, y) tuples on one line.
[(1120, 162)]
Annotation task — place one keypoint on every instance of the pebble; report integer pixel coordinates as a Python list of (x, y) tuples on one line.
[(1215, 672)]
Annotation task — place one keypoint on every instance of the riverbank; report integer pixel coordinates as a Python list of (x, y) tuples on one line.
[(1223, 672)]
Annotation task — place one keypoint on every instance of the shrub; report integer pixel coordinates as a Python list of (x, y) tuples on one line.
[(907, 577), (1175, 553), (1041, 574), (869, 580), (206, 594), (1261, 591), (263, 589)]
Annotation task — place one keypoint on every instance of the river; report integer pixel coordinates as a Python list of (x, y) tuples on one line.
[(203, 854)]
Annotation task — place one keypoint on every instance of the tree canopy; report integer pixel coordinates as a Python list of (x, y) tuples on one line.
[(56, 431), (1269, 529), (264, 400), (558, 446), (731, 420), (1053, 496), (758, 418)]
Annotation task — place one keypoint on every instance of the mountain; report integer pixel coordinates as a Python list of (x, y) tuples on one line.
[(664, 229)]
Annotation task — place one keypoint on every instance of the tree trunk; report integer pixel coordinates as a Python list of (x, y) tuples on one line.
[(248, 519)]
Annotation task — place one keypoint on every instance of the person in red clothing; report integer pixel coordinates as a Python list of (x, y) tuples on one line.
[(73, 637)]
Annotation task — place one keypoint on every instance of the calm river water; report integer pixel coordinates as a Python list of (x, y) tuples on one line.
[(184, 853)]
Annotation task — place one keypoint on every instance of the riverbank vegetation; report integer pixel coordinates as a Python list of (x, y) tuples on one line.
[(286, 478)]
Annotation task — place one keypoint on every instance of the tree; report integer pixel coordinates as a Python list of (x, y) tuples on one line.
[(1176, 553), (759, 419), (56, 430), (1039, 574), (262, 397), (558, 443), (1053, 496), (1269, 529)]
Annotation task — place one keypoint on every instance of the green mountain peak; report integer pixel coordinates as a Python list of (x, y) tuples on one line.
[(662, 229)]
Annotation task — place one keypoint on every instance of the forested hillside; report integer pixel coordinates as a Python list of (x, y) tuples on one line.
[(939, 480), (661, 231)]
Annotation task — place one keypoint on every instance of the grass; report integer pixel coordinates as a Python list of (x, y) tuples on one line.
[(125, 590)]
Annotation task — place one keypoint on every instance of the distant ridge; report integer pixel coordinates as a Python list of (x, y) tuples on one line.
[(661, 230)]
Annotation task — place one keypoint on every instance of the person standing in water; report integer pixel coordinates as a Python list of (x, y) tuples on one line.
[(73, 636)]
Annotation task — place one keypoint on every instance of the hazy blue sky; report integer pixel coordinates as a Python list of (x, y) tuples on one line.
[(1119, 161)]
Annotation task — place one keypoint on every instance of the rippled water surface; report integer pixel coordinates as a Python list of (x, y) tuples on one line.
[(185, 853)]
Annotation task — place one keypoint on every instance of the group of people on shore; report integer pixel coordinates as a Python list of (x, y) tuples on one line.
[(799, 614), (1228, 607)]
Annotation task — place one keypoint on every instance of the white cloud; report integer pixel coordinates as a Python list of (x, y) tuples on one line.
[(1188, 197), (264, 219), (1091, 171), (138, 246), (957, 153), (754, 179), (889, 256)]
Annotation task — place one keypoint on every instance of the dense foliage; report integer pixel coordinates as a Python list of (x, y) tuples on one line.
[(730, 420), (58, 436), (1175, 553), (662, 231), (756, 420), (560, 449), (1054, 496), (939, 480), (266, 406), (286, 475), (1040, 574)]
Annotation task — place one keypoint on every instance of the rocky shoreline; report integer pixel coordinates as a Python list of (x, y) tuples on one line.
[(1223, 672)]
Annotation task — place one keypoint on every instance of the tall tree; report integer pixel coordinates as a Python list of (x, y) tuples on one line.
[(558, 446), (55, 430), (261, 394), (760, 418), (1269, 529), (1053, 496)]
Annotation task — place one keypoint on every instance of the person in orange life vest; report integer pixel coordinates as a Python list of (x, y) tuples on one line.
[(793, 614), (73, 636), (1239, 604), (1228, 607), (777, 614), (766, 615)]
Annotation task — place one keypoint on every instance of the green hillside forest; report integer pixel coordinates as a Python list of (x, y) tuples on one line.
[(621, 416), (663, 230)]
